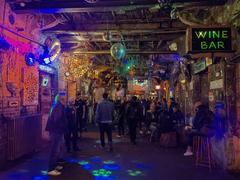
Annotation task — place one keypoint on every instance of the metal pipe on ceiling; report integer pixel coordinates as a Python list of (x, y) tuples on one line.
[(20, 35), (100, 32), (102, 52), (49, 7)]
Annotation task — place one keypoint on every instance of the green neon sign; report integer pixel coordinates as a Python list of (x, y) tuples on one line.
[(211, 39)]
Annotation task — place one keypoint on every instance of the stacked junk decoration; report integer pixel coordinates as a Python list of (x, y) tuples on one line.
[(51, 52), (180, 72), (52, 48)]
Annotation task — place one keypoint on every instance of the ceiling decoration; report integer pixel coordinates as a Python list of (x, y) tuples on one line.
[(91, 1), (219, 15), (74, 67), (118, 51), (150, 30)]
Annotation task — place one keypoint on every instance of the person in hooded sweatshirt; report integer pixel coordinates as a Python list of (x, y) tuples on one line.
[(57, 127), (133, 114)]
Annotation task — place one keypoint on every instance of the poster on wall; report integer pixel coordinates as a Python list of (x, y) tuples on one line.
[(30, 90), (199, 66)]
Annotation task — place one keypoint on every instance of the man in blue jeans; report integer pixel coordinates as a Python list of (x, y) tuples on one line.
[(104, 117), (56, 126)]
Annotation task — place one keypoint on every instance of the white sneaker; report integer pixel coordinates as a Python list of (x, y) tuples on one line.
[(188, 153), (54, 173), (59, 168)]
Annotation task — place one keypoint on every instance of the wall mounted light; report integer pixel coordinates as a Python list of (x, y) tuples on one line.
[(30, 59)]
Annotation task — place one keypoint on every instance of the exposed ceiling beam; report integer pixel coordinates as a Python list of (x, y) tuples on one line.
[(71, 6), (56, 6), (135, 20), (93, 26), (102, 52), (138, 31), (74, 40)]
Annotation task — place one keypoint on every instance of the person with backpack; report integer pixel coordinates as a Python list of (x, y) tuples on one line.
[(133, 115)]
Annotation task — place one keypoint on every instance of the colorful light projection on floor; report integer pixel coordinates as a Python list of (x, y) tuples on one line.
[(43, 176), (108, 162), (83, 162), (134, 173), (40, 178), (44, 172), (100, 169), (112, 167), (101, 172), (107, 169)]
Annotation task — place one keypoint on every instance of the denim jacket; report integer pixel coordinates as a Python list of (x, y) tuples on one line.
[(104, 112)]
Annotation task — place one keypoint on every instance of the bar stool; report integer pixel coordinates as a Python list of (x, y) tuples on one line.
[(204, 152), (195, 144)]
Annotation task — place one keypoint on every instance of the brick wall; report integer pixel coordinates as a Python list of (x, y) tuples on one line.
[(13, 65), (238, 91)]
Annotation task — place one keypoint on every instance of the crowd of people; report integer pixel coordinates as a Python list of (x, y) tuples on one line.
[(146, 117)]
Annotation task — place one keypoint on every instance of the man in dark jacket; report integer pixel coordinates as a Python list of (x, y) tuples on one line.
[(81, 108), (177, 117), (104, 117), (71, 135), (121, 116), (202, 126), (133, 114), (56, 126)]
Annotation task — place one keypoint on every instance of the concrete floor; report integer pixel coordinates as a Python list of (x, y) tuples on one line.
[(145, 161)]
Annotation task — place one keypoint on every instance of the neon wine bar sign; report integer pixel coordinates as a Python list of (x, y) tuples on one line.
[(211, 39)]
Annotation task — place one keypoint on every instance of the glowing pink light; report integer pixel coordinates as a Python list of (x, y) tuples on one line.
[(22, 47)]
